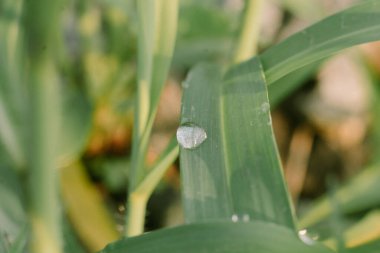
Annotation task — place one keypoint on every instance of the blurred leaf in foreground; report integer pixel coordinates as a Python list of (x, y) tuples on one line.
[(223, 237), (86, 209)]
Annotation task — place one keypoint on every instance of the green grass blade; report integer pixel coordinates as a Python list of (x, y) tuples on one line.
[(3, 245), (247, 44), (19, 244), (41, 23), (365, 230), (12, 98), (361, 193), (370, 247), (158, 27), (85, 208), (10, 139), (71, 242), (236, 171), (353, 26), (283, 87), (157, 33), (225, 237), (12, 210), (158, 170), (77, 115), (304, 10), (205, 192)]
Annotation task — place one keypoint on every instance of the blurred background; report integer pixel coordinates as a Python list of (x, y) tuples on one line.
[(327, 130)]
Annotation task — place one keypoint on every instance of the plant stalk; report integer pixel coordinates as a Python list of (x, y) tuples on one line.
[(136, 215), (249, 34), (138, 199), (41, 23), (44, 203), (157, 32), (10, 81)]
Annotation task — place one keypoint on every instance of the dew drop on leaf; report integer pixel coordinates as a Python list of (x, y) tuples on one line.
[(235, 218), (269, 123), (302, 234), (246, 217), (185, 84), (190, 136), (265, 107)]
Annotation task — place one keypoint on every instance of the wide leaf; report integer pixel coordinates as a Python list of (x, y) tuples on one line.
[(224, 237), (236, 172)]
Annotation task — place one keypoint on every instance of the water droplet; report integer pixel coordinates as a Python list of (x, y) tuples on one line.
[(190, 136), (265, 107), (185, 84), (120, 228), (246, 217), (302, 234), (269, 123), (235, 218), (121, 208)]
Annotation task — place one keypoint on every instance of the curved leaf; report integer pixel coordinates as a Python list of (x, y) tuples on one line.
[(359, 194), (236, 172), (77, 119), (12, 210), (225, 237), (371, 247), (85, 208), (353, 26)]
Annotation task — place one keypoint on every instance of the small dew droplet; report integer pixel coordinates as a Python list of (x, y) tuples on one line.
[(302, 234), (185, 84), (269, 123), (246, 217), (265, 107), (235, 218), (190, 136), (120, 228), (121, 208)]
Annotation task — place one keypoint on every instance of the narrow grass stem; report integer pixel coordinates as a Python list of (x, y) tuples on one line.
[(249, 34), (10, 80), (137, 199), (146, 17), (41, 23), (150, 182), (10, 139), (44, 203), (144, 72), (157, 32), (136, 213)]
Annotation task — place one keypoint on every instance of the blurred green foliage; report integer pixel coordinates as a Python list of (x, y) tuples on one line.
[(94, 56)]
